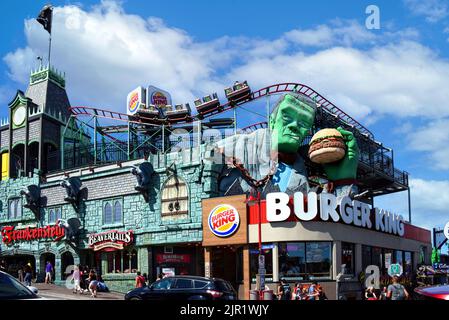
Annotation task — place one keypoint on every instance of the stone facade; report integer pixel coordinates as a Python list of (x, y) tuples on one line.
[(144, 218)]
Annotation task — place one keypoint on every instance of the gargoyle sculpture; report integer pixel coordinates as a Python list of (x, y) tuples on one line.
[(32, 195), (143, 173), (72, 227), (74, 191)]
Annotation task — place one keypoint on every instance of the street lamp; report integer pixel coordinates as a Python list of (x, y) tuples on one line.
[(252, 201)]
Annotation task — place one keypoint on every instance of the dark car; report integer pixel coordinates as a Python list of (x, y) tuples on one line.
[(433, 293), (185, 288), (11, 288)]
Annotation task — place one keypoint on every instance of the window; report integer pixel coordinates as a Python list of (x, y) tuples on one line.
[(408, 267), (15, 208), (112, 211), (267, 251), (174, 199), (163, 284), (183, 284), (305, 260), (123, 261), (200, 284), (347, 257), (54, 215)]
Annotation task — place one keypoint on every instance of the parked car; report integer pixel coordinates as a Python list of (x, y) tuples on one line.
[(185, 288), (11, 288), (433, 293)]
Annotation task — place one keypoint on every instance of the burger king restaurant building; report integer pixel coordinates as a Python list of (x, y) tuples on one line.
[(305, 238)]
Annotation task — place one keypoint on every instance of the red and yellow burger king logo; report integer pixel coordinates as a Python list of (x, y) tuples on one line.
[(133, 101), (223, 220), (159, 99)]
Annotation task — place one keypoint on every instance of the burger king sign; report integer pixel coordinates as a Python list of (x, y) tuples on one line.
[(223, 220)]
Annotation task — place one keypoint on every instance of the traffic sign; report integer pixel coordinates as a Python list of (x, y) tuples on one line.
[(395, 269)]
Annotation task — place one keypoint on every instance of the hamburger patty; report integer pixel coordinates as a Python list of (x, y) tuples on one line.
[(327, 143)]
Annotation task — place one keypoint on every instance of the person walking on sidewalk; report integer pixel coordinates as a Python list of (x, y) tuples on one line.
[(28, 275), (20, 274), (76, 280), (48, 272), (140, 280)]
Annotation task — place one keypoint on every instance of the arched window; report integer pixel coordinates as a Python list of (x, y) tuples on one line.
[(107, 213), (175, 199), (58, 214), (51, 216), (15, 208), (117, 211)]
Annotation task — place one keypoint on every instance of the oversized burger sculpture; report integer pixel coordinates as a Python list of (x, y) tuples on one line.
[(327, 146)]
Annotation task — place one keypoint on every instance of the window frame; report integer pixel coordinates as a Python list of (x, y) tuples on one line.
[(112, 203), (16, 215), (55, 210)]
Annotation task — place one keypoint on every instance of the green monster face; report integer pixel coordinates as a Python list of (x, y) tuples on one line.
[(290, 122)]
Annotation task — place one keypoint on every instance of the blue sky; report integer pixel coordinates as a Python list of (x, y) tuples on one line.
[(393, 80)]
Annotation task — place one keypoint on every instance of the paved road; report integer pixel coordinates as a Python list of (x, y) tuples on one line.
[(53, 292)]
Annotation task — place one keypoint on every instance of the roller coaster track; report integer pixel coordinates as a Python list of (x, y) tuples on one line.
[(273, 89)]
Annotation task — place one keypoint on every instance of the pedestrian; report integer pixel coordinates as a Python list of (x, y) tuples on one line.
[(370, 294), (140, 280), (20, 274), (313, 293), (284, 291), (48, 272), (77, 280), (92, 283), (321, 293), (383, 294), (28, 274), (146, 278), (160, 276), (396, 291), (297, 291), (3, 266)]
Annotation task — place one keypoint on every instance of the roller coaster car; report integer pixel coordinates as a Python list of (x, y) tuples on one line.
[(149, 112), (180, 111), (238, 92), (209, 104)]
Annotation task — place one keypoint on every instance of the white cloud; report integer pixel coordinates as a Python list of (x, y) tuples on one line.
[(433, 139), (432, 10), (429, 203), (106, 52)]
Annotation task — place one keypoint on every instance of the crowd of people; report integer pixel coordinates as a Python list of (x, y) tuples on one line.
[(314, 291), (87, 280)]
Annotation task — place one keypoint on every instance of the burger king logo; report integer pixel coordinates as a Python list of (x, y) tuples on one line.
[(133, 101), (223, 220), (159, 99)]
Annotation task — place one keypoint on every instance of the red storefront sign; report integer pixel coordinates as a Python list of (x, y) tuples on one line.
[(172, 258), (9, 234)]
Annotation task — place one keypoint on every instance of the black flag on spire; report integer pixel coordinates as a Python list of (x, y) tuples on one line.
[(45, 17)]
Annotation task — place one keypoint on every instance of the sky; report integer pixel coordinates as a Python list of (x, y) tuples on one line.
[(394, 80)]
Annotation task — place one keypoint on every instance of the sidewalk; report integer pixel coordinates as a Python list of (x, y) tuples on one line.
[(55, 292)]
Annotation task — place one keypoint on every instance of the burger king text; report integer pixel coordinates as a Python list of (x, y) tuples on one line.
[(326, 206)]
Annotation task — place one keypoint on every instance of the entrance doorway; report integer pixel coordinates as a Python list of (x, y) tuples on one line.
[(14, 263), (66, 261), (46, 257), (227, 264)]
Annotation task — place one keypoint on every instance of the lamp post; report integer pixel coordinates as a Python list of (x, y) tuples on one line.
[(261, 272)]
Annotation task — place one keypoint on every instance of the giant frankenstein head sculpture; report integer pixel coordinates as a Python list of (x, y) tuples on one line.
[(290, 122)]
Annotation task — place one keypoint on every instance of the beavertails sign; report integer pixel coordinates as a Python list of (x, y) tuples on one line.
[(110, 240), (11, 234)]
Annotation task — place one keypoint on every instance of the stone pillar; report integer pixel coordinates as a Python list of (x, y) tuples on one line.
[(336, 258), (104, 263), (208, 262), (275, 262), (142, 260), (246, 273), (58, 273), (358, 258)]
